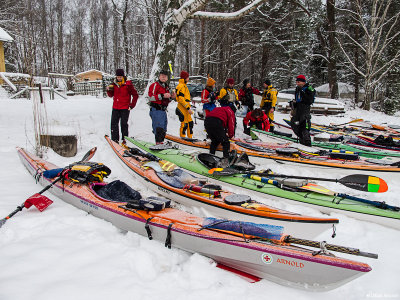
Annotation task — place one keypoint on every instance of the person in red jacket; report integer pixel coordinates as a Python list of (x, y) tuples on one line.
[(208, 96), (160, 96), (125, 98), (256, 117), (220, 127)]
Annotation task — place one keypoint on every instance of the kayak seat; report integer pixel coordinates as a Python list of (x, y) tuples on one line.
[(117, 191), (177, 178)]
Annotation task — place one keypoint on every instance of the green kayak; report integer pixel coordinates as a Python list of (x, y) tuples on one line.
[(333, 146), (323, 202)]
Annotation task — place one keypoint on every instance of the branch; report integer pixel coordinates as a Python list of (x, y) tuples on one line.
[(203, 15)]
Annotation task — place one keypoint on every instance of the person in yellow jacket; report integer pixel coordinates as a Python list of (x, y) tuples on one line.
[(228, 96), (183, 109), (268, 102)]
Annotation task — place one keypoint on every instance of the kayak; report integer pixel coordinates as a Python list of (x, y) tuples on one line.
[(368, 152), (271, 259), (291, 158), (192, 191), (350, 131), (325, 203)]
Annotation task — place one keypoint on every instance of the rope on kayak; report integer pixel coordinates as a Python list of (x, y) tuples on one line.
[(168, 239), (148, 230)]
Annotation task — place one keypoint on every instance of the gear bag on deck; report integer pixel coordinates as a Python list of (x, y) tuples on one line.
[(87, 172)]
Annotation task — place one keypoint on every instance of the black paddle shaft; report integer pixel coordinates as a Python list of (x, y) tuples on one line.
[(88, 155)]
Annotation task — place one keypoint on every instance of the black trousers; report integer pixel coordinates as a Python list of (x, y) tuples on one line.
[(117, 116), (216, 132), (302, 130)]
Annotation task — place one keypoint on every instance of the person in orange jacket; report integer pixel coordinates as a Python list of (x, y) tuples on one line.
[(183, 109), (255, 118), (125, 98)]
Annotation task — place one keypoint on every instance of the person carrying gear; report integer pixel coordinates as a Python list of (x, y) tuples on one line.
[(246, 95), (160, 97), (268, 102), (301, 106), (183, 109), (208, 96), (255, 118), (125, 98), (228, 96), (220, 127)]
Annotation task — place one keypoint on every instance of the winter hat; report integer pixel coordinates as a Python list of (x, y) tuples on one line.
[(301, 78), (164, 72), (119, 72), (246, 81), (267, 82), (184, 75), (210, 81), (230, 81)]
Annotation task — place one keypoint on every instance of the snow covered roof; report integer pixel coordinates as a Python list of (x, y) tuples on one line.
[(344, 88), (92, 70), (4, 36)]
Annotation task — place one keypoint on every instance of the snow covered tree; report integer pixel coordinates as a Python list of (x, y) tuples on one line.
[(175, 16), (377, 29)]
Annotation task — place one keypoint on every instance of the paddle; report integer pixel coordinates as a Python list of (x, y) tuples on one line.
[(352, 121), (361, 182), (40, 201)]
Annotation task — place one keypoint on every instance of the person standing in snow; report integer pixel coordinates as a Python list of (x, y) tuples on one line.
[(301, 106), (160, 97), (220, 127), (255, 118), (246, 95), (183, 109), (125, 98), (208, 96), (228, 96), (268, 102)]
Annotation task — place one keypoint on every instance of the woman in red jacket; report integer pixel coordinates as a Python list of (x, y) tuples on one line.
[(125, 98), (256, 118), (220, 127)]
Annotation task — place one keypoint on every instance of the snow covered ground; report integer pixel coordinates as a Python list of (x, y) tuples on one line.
[(63, 253)]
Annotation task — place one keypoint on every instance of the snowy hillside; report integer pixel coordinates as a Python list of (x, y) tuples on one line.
[(63, 253)]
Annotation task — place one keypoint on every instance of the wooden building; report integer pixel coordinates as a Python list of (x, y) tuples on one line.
[(90, 75), (4, 37)]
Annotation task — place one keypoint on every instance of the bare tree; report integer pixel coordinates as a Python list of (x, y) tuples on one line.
[(379, 33)]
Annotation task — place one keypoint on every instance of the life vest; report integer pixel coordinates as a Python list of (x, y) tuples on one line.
[(87, 172)]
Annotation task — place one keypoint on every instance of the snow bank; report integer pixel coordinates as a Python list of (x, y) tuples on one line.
[(63, 253)]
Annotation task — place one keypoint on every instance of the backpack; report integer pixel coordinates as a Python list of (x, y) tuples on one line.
[(87, 172)]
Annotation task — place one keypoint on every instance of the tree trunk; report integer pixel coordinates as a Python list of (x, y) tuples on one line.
[(332, 72)]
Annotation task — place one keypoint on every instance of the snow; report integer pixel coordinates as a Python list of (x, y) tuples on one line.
[(4, 36), (343, 88), (64, 253)]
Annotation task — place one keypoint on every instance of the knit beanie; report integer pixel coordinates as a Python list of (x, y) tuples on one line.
[(184, 75), (230, 81), (267, 82), (119, 72), (210, 81), (246, 81), (301, 78)]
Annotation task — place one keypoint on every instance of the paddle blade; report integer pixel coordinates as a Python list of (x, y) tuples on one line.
[(39, 201), (88, 156), (246, 276), (365, 183)]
